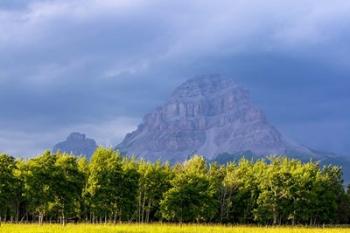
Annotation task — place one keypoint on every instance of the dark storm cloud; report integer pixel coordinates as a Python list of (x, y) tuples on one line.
[(98, 66)]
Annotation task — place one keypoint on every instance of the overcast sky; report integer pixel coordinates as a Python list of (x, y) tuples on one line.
[(98, 66)]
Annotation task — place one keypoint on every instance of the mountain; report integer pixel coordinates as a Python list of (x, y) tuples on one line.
[(77, 144), (208, 115), (212, 116)]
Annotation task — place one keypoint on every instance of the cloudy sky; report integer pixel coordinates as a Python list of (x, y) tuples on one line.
[(98, 66)]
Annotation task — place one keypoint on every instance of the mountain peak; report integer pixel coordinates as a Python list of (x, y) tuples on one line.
[(208, 115), (201, 86)]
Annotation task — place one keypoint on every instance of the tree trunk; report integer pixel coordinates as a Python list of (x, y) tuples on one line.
[(229, 198), (120, 216), (63, 218), (280, 220), (222, 206), (41, 218), (148, 211), (143, 208), (17, 212), (274, 216), (139, 207), (115, 218), (181, 214)]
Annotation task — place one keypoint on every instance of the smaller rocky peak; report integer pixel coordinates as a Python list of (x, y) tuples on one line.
[(78, 144)]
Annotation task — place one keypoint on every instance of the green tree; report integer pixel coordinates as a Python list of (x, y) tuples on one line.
[(192, 196), (277, 198), (327, 192), (68, 185), (128, 189), (153, 183), (106, 174), (39, 184), (85, 198), (8, 185), (240, 191)]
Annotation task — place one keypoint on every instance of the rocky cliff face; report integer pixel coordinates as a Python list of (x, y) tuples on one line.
[(208, 115), (77, 144)]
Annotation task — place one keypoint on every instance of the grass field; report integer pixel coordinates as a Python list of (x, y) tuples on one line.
[(158, 228)]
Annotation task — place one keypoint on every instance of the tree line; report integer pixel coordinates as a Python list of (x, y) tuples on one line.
[(55, 187)]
